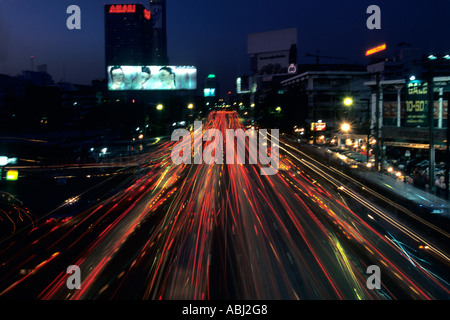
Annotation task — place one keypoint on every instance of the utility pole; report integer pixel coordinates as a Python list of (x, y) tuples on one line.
[(378, 153), (447, 161), (431, 127), (369, 131)]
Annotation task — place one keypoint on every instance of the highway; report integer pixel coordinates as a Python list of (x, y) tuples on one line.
[(224, 231)]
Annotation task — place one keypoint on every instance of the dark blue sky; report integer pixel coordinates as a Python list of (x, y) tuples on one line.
[(212, 34)]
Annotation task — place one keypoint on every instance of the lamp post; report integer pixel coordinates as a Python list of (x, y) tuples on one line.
[(345, 128), (431, 127), (430, 62), (368, 131), (432, 151), (348, 101), (378, 125)]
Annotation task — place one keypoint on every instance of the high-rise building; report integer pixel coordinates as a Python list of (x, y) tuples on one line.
[(159, 49), (211, 90), (128, 35)]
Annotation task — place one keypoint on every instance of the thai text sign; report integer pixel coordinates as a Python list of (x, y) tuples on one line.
[(417, 104)]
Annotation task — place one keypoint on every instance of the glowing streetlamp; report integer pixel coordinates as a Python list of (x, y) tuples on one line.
[(159, 107), (345, 127), (348, 101)]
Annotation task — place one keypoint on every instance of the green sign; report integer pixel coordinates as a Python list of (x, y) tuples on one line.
[(417, 104)]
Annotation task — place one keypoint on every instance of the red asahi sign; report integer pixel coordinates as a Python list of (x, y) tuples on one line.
[(122, 8)]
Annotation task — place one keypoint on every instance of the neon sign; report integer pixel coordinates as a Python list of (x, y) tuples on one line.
[(318, 126), (147, 14), (376, 49), (125, 8)]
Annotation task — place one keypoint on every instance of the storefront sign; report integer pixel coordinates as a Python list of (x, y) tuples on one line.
[(318, 126), (417, 104)]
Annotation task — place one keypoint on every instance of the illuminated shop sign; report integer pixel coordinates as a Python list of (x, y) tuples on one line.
[(12, 175), (376, 49), (417, 104), (318, 126)]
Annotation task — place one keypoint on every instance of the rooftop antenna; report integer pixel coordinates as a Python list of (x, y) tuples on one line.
[(32, 63)]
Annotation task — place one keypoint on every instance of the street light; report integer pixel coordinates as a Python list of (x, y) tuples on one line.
[(348, 101), (345, 127), (190, 106), (159, 107)]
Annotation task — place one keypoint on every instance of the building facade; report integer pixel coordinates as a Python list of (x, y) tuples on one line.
[(325, 87), (128, 35)]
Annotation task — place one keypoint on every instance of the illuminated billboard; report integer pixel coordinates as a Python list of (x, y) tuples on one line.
[(273, 52), (209, 92), (417, 104), (318, 126), (152, 78)]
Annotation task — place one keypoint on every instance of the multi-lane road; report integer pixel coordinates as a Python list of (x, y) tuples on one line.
[(224, 231)]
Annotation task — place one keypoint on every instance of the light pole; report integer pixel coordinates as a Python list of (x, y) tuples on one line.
[(430, 62), (348, 101), (431, 127), (378, 124), (345, 127)]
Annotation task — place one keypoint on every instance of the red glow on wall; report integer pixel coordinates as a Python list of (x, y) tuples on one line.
[(147, 14)]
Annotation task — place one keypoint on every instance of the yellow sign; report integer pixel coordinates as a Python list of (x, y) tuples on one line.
[(416, 104), (376, 49), (12, 175)]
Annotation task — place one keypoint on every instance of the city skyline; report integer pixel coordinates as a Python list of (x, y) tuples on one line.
[(323, 173), (213, 36)]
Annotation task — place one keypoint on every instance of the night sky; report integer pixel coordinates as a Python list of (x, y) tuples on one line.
[(212, 34)]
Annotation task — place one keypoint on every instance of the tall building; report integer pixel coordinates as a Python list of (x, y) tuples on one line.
[(273, 56), (159, 49), (211, 90), (128, 35)]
